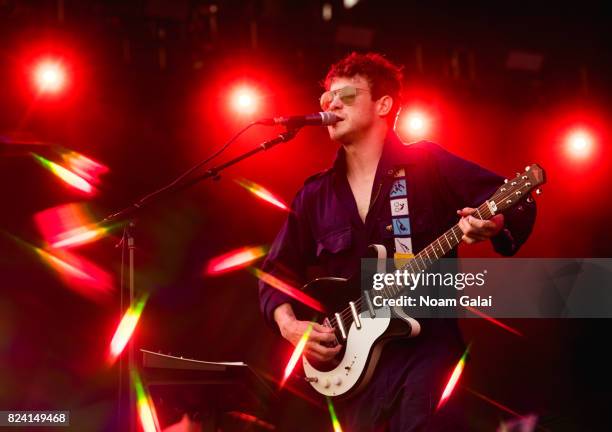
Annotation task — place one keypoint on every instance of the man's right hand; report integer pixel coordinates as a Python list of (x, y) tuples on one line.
[(293, 329)]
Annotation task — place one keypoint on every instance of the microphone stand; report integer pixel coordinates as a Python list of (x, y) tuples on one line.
[(128, 213)]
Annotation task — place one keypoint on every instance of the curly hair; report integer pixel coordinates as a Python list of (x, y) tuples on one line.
[(383, 76)]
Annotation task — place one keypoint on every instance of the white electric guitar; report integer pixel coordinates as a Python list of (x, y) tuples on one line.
[(363, 329)]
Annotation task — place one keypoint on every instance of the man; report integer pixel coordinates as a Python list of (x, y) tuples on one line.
[(341, 211)]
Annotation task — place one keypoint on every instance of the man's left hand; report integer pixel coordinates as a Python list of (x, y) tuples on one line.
[(476, 230)]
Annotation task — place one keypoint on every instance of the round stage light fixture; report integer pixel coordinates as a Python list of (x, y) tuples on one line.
[(245, 100), (49, 76), (415, 124), (579, 144)]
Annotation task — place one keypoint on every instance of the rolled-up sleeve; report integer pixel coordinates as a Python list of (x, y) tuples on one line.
[(472, 184), (288, 259)]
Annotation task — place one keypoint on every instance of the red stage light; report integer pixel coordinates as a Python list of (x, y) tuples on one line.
[(245, 100), (579, 144), (415, 123), (49, 76)]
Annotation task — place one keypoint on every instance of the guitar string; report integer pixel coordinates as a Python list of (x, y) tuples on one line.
[(347, 313)]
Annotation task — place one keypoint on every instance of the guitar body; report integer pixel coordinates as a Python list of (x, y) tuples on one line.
[(354, 366)]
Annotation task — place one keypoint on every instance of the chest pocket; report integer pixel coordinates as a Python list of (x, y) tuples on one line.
[(334, 242)]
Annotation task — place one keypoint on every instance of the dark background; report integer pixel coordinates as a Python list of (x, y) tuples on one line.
[(148, 97)]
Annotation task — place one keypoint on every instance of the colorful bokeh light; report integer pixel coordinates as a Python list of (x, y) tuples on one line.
[(84, 166), (286, 288), (79, 236), (69, 225), (144, 405), (334, 417), (454, 379), (79, 274), (66, 175), (126, 329), (295, 356), (262, 193), (235, 259)]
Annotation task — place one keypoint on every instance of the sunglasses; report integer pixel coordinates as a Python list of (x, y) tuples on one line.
[(346, 94)]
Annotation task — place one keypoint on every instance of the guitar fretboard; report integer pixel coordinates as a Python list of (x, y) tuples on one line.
[(436, 250), (420, 262)]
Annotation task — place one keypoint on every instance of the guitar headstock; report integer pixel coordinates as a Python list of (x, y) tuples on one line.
[(517, 188)]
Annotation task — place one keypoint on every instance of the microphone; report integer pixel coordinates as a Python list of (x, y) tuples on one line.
[(316, 119)]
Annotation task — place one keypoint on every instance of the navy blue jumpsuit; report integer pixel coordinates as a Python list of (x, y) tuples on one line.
[(324, 230)]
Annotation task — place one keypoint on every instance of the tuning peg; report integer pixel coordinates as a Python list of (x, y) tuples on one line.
[(538, 191), (505, 180), (529, 199), (527, 168)]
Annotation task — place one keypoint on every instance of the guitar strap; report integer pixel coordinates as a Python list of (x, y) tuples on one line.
[(400, 217)]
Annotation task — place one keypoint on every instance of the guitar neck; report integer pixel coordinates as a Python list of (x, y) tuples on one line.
[(446, 242), (437, 249)]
